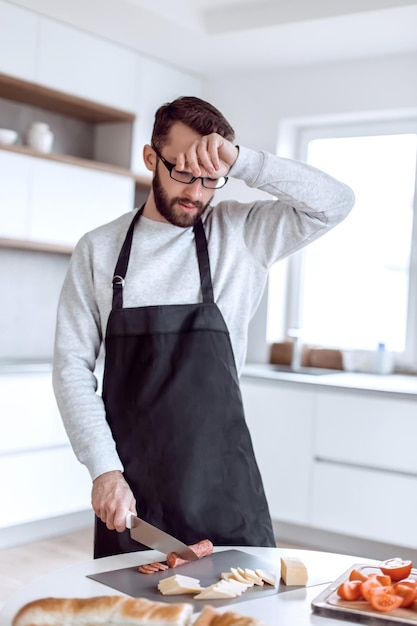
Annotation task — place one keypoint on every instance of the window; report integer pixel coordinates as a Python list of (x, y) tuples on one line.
[(357, 286)]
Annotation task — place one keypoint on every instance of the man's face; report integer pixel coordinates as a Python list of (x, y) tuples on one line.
[(179, 204), (178, 210)]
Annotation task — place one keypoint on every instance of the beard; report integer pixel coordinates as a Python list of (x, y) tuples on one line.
[(166, 206)]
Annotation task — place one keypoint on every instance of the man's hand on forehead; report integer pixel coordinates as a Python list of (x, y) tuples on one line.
[(211, 155)]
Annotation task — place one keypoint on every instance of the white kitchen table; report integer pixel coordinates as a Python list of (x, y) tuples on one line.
[(289, 608)]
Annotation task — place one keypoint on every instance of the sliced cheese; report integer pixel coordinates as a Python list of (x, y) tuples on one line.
[(237, 587), (268, 577), (242, 579), (293, 571), (221, 589), (178, 584), (251, 575)]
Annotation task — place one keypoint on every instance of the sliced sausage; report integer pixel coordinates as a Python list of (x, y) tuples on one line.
[(202, 548), (152, 568)]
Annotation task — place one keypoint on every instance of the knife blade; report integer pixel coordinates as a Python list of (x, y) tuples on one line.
[(157, 539)]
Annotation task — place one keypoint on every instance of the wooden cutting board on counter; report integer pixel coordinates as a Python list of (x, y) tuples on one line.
[(329, 604), (207, 570)]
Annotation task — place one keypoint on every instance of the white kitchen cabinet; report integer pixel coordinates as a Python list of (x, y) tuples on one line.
[(30, 417), (370, 504), (15, 178), (280, 420), (51, 202), (68, 201), (41, 476), (365, 429), (18, 40), (40, 484), (336, 459), (365, 465), (156, 84), (81, 64)]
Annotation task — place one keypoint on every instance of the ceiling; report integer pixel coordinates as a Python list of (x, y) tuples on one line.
[(212, 37)]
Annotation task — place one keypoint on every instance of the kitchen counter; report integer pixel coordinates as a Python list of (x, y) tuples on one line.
[(393, 384), (292, 606), (25, 366)]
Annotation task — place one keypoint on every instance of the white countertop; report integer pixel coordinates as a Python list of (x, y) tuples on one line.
[(290, 608), (394, 383)]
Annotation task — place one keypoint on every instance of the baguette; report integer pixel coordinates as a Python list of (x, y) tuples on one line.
[(102, 610), (210, 617)]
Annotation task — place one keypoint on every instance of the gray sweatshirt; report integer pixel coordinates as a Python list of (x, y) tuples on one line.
[(244, 240)]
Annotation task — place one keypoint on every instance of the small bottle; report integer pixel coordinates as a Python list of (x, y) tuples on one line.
[(382, 360), (297, 348)]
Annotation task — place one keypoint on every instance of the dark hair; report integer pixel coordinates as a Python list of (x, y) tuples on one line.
[(198, 114)]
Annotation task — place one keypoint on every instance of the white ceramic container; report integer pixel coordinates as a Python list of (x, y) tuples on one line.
[(8, 136), (40, 137)]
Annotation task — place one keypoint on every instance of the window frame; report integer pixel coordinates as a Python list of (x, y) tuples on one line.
[(295, 135)]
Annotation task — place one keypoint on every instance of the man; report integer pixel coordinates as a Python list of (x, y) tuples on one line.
[(172, 290)]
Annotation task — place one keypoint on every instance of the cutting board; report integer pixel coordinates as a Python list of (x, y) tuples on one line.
[(207, 570), (329, 604)]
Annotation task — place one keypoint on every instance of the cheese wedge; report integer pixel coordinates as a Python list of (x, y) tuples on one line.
[(178, 584), (293, 571), (268, 577)]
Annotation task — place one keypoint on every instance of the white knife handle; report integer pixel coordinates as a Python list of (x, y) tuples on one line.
[(129, 517)]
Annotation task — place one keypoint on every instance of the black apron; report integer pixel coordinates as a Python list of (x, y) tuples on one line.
[(174, 406)]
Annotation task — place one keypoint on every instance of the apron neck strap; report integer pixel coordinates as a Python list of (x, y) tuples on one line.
[(123, 262), (203, 263)]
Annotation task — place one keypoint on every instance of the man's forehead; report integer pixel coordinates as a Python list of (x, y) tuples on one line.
[(180, 137)]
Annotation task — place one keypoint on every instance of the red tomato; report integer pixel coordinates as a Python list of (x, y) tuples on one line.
[(355, 574), (384, 599), (384, 579), (396, 568), (407, 590), (371, 583), (350, 590)]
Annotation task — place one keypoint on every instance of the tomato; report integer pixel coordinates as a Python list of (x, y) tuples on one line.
[(384, 579), (350, 590), (407, 590), (355, 574), (371, 583), (396, 568), (384, 599)]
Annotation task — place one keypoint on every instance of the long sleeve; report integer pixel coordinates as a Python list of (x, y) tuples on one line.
[(77, 344), (306, 203)]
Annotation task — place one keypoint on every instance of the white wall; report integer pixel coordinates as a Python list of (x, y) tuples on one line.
[(257, 103)]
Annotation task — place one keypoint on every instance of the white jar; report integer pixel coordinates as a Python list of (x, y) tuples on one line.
[(40, 137)]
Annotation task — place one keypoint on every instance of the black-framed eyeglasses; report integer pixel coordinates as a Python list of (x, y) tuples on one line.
[(187, 178)]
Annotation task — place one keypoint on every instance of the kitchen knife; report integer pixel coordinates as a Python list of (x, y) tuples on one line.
[(157, 539)]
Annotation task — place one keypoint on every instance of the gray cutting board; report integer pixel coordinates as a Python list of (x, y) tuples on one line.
[(207, 570)]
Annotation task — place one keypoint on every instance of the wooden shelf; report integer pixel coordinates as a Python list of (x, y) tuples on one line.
[(37, 96), (141, 181), (37, 246)]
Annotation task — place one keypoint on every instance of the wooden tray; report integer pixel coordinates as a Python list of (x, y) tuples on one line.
[(329, 604), (207, 570)]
